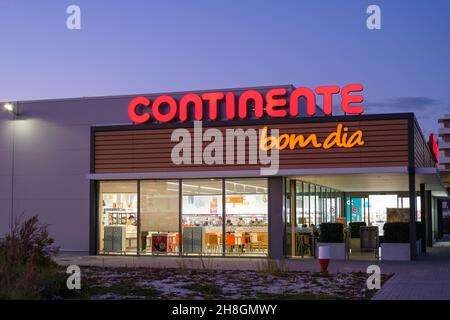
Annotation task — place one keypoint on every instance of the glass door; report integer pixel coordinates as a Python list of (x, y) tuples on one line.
[(159, 217)]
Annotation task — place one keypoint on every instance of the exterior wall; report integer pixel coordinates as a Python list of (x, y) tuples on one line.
[(422, 154), (5, 172), (52, 152), (148, 148), (276, 217)]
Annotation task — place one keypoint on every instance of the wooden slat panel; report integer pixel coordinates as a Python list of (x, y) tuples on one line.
[(145, 134), (123, 158), (149, 150), (372, 141), (379, 131), (362, 150), (379, 136), (422, 153)]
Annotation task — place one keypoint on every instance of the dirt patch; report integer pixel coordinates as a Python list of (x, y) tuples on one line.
[(159, 283)]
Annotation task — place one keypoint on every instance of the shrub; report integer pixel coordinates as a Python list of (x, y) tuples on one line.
[(51, 284), (25, 254), (355, 231), (272, 266), (331, 232), (396, 232)]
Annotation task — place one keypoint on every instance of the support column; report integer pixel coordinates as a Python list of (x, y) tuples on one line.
[(423, 216), (439, 219), (429, 225), (344, 205), (276, 219), (293, 205), (412, 187), (412, 212), (93, 221)]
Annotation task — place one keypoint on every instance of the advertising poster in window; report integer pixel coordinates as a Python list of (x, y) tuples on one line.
[(159, 243)]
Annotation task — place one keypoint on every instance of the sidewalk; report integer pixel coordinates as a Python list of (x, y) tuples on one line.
[(424, 279), (218, 263)]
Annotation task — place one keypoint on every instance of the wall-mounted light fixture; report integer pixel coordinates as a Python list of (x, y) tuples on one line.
[(12, 108)]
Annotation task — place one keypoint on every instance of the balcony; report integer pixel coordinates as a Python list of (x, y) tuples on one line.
[(444, 160), (444, 118), (443, 131)]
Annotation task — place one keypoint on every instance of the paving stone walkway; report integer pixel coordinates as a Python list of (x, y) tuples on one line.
[(425, 279)]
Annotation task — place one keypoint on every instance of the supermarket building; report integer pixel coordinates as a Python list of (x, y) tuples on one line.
[(100, 172)]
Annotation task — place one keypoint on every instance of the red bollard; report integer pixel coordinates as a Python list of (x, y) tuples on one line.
[(324, 259)]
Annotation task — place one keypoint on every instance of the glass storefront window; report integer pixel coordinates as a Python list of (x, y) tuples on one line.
[(333, 207), (118, 217), (299, 203), (153, 225), (306, 205), (289, 217), (418, 209), (247, 220), (357, 209), (403, 202), (312, 203), (378, 208), (366, 206), (319, 206), (327, 205), (372, 208), (338, 206), (159, 216), (313, 206), (202, 216)]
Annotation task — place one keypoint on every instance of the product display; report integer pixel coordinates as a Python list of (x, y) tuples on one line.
[(118, 233), (193, 240), (114, 239)]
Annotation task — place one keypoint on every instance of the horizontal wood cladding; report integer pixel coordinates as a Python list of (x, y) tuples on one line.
[(422, 154), (149, 150)]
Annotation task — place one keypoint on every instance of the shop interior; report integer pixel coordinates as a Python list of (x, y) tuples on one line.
[(307, 206), (214, 217), (369, 199)]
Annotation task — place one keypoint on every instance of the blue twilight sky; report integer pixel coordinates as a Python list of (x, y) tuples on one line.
[(132, 46)]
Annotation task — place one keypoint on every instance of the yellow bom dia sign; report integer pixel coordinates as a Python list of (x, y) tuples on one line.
[(340, 138)]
